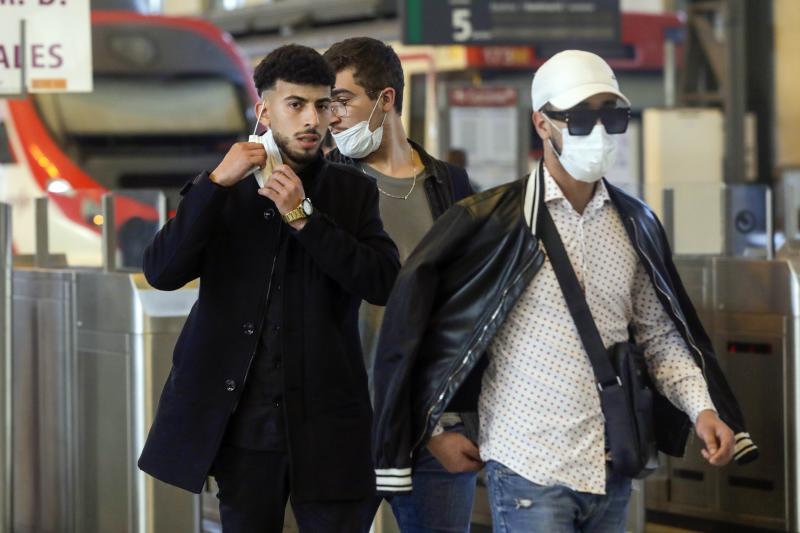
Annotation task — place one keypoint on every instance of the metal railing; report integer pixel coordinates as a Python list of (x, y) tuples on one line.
[(5, 368)]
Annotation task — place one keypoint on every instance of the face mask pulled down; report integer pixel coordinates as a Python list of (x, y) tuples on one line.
[(586, 157), (357, 141), (273, 154)]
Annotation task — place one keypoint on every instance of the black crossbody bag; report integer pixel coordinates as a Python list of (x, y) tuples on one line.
[(626, 395)]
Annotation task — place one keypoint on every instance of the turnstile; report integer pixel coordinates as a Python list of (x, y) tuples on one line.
[(91, 351), (5, 374), (751, 309)]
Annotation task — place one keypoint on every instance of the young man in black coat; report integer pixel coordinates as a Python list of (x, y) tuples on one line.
[(268, 390)]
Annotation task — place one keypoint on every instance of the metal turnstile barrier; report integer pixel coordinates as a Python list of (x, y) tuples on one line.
[(5, 372), (751, 310), (43, 436), (91, 351)]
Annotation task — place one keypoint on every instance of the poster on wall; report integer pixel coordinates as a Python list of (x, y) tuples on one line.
[(626, 173), (484, 125)]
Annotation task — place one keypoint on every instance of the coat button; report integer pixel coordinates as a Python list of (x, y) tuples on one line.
[(269, 214), (277, 363), (248, 328), (277, 404), (230, 385)]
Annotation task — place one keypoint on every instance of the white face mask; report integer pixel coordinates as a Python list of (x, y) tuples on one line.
[(273, 154), (586, 157), (357, 141)]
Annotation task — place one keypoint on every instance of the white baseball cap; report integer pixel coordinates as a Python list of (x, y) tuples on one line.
[(570, 77)]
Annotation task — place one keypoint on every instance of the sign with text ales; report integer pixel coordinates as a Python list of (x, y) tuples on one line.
[(57, 50)]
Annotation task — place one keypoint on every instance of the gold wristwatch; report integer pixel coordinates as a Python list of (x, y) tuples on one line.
[(304, 210)]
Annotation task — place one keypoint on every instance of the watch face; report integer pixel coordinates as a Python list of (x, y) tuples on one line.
[(308, 209)]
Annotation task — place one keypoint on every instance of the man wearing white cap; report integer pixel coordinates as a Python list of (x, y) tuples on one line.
[(547, 435)]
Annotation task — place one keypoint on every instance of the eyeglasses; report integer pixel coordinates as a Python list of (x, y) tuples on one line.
[(582, 121), (339, 109)]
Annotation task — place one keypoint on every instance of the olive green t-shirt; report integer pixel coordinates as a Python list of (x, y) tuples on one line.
[(406, 222)]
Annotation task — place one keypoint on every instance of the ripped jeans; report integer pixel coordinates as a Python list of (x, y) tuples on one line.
[(520, 506)]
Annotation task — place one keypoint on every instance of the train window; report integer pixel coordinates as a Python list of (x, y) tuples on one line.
[(6, 155), (135, 133), (140, 107)]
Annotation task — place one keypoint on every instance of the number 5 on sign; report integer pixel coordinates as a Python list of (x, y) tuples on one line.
[(462, 25)]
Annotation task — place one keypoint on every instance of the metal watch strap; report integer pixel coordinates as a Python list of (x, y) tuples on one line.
[(295, 214)]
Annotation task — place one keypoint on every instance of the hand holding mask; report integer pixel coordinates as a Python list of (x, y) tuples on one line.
[(274, 158)]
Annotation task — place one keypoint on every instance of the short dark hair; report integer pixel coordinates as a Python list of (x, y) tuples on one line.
[(293, 63), (375, 66)]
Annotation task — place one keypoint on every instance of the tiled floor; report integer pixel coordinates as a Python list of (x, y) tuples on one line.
[(656, 528)]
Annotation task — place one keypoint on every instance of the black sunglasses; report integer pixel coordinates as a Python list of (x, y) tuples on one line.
[(582, 121)]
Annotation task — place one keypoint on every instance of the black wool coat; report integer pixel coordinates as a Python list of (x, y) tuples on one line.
[(227, 237)]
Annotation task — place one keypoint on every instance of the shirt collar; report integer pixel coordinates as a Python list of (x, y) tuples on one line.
[(552, 192)]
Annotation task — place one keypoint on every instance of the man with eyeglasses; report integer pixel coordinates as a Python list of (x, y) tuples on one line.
[(415, 189), (268, 391), (482, 280)]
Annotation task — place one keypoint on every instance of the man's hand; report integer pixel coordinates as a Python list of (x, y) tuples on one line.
[(286, 190), (717, 436), (238, 163), (456, 452)]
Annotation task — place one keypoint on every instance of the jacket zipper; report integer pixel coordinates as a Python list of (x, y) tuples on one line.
[(266, 309), (675, 312), (466, 358)]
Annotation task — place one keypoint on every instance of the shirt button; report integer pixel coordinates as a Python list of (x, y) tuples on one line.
[(278, 363), (277, 404), (276, 328), (269, 214), (248, 328), (230, 385)]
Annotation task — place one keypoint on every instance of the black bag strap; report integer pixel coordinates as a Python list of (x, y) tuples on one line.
[(576, 302)]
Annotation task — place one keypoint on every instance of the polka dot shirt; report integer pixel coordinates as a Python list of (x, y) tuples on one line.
[(539, 409)]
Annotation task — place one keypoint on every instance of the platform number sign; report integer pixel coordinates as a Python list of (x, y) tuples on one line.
[(462, 25), (528, 22)]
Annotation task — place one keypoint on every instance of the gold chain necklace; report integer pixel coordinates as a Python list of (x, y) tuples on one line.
[(413, 183)]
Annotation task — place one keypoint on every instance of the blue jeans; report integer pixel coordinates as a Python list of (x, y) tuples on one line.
[(519, 505), (440, 502)]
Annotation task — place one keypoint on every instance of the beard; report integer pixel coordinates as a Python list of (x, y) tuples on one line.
[(299, 157)]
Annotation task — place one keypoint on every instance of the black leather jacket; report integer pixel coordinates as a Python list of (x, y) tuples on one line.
[(455, 291)]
